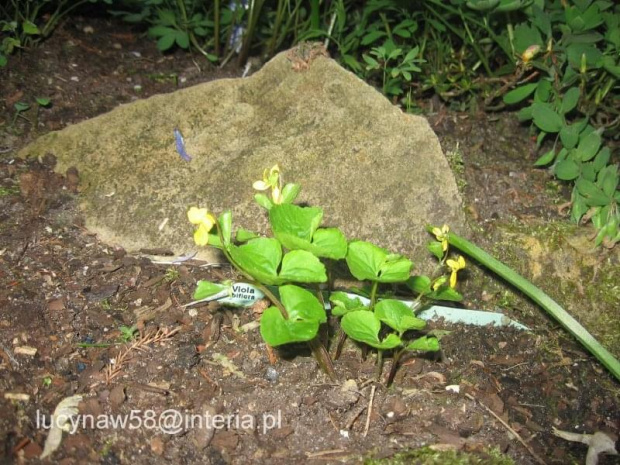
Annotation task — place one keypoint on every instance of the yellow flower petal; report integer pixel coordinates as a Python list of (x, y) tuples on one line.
[(197, 215), (201, 235), (455, 266), (453, 279), (276, 195), (260, 185)]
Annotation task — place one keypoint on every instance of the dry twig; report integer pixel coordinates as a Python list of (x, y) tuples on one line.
[(113, 369)]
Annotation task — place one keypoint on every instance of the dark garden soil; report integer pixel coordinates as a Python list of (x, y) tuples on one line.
[(64, 297)]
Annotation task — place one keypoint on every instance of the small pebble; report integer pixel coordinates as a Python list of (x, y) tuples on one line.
[(271, 374)]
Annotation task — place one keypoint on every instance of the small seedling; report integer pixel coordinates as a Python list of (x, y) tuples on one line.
[(20, 108), (172, 274), (128, 333), (47, 381)]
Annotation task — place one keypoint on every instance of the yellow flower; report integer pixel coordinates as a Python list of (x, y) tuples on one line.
[(205, 222), (442, 236), (455, 266), (271, 180)]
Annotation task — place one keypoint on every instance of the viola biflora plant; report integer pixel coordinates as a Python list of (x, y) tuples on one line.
[(290, 266)]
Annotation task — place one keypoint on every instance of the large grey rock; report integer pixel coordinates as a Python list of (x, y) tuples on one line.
[(378, 173)]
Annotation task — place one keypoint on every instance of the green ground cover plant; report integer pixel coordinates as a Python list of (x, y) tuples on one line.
[(290, 266)]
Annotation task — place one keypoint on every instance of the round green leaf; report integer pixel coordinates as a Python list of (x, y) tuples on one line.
[(569, 135), (260, 258), (546, 118), (364, 326), (567, 170), (397, 315), (302, 266), (569, 100), (589, 146), (277, 331)]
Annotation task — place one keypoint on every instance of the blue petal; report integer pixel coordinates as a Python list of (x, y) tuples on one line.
[(180, 143)]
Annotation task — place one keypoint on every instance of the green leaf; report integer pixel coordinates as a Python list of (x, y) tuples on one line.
[(372, 63), (372, 36), (30, 28), (525, 114), (290, 192), (214, 241), (436, 249), (260, 258), (302, 266), (368, 261), (263, 201), (43, 101), (160, 31), (601, 160), (206, 289), (589, 146), (225, 221), (398, 316), (546, 158), (445, 293), (305, 314), (244, 235), (546, 118), (567, 170), (301, 303), (182, 39), (277, 331), (396, 268), (543, 91), (608, 180), (21, 106), (482, 5), (569, 135), (165, 42), (329, 243), (343, 304), (419, 284), (290, 222), (592, 194), (296, 228), (519, 94), (364, 326), (570, 99), (424, 343), (364, 259)]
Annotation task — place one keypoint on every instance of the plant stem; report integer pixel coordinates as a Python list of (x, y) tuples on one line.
[(322, 357), (379, 364), (542, 299), (373, 294), (395, 362)]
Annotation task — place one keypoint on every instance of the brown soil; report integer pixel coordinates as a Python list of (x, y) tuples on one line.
[(65, 294)]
